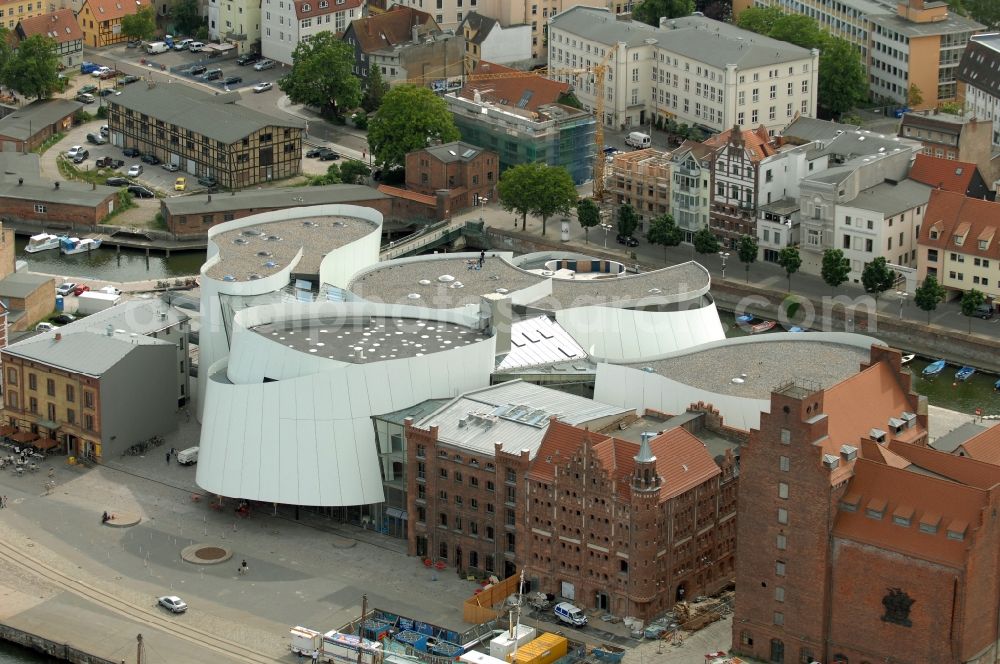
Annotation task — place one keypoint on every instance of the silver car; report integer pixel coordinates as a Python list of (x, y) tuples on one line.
[(172, 603), (264, 64), (263, 86)]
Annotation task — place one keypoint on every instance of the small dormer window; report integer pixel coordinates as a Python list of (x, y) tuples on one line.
[(934, 234), (959, 240), (956, 530), (875, 509), (984, 245), (306, 8), (323, 4), (903, 516), (929, 524), (849, 503)]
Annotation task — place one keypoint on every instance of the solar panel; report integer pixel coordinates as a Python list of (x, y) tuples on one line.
[(468, 153)]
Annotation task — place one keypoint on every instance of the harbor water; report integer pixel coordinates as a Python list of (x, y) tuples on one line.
[(11, 653), (105, 264)]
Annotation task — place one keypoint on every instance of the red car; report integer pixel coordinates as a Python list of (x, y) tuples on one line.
[(79, 290)]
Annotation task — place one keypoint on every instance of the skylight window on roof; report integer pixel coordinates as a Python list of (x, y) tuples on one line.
[(452, 153), (956, 530), (468, 153), (525, 98)]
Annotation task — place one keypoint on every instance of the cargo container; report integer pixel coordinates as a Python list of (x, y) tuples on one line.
[(502, 645), (546, 649), (350, 649), (304, 640)]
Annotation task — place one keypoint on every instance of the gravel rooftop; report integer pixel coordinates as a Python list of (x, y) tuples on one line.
[(261, 250), (766, 365), (455, 282)]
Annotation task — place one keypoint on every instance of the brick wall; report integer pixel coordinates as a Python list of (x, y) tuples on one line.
[(426, 174), (61, 213), (197, 223)]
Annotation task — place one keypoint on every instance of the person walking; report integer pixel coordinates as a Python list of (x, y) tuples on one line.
[(482, 258), (168, 458), (315, 657)]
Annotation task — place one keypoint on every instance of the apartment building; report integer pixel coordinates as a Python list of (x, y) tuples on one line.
[(959, 243), (777, 228), (466, 466), (693, 70), (13, 11), (206, 135), (285, 23), (958, 176), (101, 20), (912, 42), (736, 176), (641, 179), (90, 394), (979, 70), (236, 22), (469, 174), (60, 26), (965, 137), (488, 41), (691, 189)]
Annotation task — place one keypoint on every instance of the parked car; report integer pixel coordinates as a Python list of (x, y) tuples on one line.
[(109, 162), (133, 43), (208, 181), (131, 152), (80, 289), (172, 603), (627, 240), (313, 152), (100, 71), (86, 98), (46, 327), (150, 159), (170, 168), (73, 151), (117, 182), (106, 92), (96, 139), (211, 75), (182, 44), (64, 319), (263, 86), (139, 191), (232, 80), (326, 154), (570, 614), (110, 73), (104, 130), (66, 288), (128, 79), (247, 59), (180, 184), (198, 69), (135, 170), (88, 89), (984, 311), (196, 47), (81, 157), (264, 64)]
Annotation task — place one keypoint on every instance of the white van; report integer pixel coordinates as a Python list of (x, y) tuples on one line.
[(637, 139), (188, 456), (570, 614), (157, 47)]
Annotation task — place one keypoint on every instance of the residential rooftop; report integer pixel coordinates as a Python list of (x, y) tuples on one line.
[(360, 341), (24, 123), (954, 23), (253, 252), (67, 193), (139, 316), (92, 354), (270, 198), (454, 151), (892, 198), (22, 284)]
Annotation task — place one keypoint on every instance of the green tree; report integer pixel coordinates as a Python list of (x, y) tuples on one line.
[(375, 89), (877, 277), (759, 19), (928, 295), (628, 220), (321, 74), (33, 69), (140, 25), (986, 12), (6, 52), (790, 260), (360, 119), (914, 97), (664, 231), (835, 268), (409, 119), (187, 17), (953, 107), (720, 10), (588, 214), (650, 11), (538, 189), (798, 29), (843, 83), (705, 241), (747, 252), (569, 99), (332, 177), (354, 172), (971, 300)]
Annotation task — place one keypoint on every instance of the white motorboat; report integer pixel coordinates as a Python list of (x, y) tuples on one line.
[(75, 245), (42, 242)]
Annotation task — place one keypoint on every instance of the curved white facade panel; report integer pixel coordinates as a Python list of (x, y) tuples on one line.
[(631, 335), (305, 437)]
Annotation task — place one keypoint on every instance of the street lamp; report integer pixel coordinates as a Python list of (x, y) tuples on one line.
[(902, 295), (607, 228), (723, 255)]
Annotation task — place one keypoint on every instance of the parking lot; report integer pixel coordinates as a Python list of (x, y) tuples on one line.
[(179, 63)]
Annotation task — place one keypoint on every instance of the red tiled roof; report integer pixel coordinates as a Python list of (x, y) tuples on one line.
[(875, 452), (964, 470), (984, 446), (559, 445), (950, 214), (758, 141), (60, 25), (683, 462), (316, 7), (110, 10), (943, 173), (384, 31), (931, 499), (526, 92), (408, 195)]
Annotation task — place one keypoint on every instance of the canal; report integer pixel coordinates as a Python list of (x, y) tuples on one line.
[(107, 265)]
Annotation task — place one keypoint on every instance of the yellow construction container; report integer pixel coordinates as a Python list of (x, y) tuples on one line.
[(546, 649)]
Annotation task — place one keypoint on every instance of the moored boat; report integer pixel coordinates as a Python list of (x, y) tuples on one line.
[(42, 242), (75, 245), (964, 374), (934, 368), (908, 358)]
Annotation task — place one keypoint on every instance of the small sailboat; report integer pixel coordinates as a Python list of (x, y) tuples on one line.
[(964, 374), (934, 368), (908, 358), (75, 245), (42, 242)]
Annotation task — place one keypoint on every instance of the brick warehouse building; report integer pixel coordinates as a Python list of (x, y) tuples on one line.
[(628, 528), (856, 542)]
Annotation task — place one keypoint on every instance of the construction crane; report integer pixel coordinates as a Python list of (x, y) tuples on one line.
[(598, 70)]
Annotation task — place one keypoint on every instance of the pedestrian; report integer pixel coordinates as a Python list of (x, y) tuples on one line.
[(173, 452), (315, 655), (168, 458), (244, 569), (482, 258), (3, 502)]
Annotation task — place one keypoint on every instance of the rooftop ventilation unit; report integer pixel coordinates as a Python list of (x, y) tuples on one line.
[(848, 452), (877, 435), (830, 461)]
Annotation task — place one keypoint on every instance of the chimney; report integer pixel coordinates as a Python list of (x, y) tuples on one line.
[(57, 185), (58, 336), (209, 198), (20, 181), (415, 33)]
